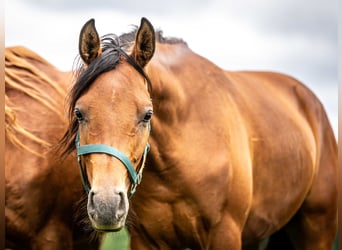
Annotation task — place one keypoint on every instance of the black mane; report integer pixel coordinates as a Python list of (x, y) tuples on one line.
[(113, 47)]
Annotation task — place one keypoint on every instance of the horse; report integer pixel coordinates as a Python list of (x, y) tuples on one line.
[(41, 190), (189, 155)]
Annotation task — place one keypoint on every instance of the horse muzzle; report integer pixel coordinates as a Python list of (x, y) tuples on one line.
[(107, 209)]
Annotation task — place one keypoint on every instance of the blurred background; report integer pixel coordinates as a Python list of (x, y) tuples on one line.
[(296, 37)]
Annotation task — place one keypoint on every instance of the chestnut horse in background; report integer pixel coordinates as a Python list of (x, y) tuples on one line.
[(41, 190), (234, 158)]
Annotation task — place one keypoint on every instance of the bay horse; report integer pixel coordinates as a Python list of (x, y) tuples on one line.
[(41, 190), (224, 159)]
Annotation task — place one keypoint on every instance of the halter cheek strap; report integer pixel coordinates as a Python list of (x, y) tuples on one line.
[(135, 177)]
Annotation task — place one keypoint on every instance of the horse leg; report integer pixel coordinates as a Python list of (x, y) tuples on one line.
[(54, 235), (315, 224), (313, 230), (225, 235)]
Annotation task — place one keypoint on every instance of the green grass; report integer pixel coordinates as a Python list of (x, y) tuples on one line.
[(116, 241)]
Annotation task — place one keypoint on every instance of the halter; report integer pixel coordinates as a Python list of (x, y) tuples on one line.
[(134, 176)]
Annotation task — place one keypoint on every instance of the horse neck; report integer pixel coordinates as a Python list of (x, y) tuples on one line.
[(168, 95), (186, 88)]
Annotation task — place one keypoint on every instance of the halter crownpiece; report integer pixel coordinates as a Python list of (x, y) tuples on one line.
[(134, 176)]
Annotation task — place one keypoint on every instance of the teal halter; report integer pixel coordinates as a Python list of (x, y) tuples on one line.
[(134, 176)]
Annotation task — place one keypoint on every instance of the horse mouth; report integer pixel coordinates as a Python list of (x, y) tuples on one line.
[(107, 227), (111, 230), (108, 230)]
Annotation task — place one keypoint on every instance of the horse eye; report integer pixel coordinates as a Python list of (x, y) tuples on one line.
[(148, 116), (78, 114)]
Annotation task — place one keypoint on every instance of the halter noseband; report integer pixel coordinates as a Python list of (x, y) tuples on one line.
[(134, 176)]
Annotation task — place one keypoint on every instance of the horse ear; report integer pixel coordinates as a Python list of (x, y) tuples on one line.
[(145, 43), (89, 42)]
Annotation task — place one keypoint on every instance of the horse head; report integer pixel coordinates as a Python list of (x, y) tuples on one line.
[(110, 111)]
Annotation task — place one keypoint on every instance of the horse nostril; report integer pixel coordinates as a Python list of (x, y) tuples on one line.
[(121, 206), (122, 196), (91, 199)]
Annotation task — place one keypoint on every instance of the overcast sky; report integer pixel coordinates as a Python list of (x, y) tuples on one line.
[(296, 37)]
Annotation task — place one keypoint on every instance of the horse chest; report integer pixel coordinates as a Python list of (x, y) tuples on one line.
[(175, 225)]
